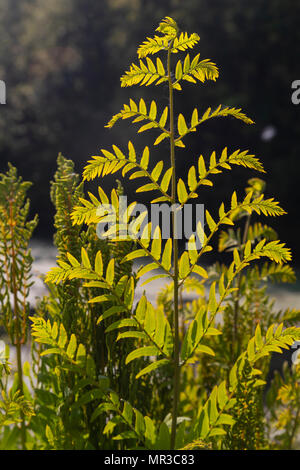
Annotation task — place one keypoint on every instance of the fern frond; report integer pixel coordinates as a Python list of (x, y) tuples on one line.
[(140, 113), (111, 162), (90, 211), (152, 324), (141, 429), (65, 193), (168, 27), (73, 357), (154, 331), (122, 225), (209, 114), (275, 272), (85, 215), (219, 112), (185, 41), (240, 158), (259, 230), (11, 404), (145, 73), (276, 339), (120, 291), (263, 206), (152, 46), (291, 316), (159, 43), (15, 255), (215, 413), (56, 337), (229, 239), (273, 250), (195, 70)]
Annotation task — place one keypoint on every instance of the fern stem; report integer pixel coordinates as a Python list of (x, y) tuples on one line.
[(237, 298), (17, 324), (176, 377)]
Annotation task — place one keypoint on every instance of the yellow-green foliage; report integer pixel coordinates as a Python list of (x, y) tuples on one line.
[(116, 372), (156, 332)]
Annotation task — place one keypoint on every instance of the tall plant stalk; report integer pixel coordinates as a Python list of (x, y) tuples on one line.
[(17, 328), (176, 378), (236, 339), (15, 278)]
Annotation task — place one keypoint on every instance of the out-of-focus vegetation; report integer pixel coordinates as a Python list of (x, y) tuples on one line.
[(61, 60)]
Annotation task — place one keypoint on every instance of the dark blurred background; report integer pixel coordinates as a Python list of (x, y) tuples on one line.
[(61, 61)]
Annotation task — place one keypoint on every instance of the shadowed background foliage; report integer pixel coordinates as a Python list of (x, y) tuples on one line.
[(61, 61)]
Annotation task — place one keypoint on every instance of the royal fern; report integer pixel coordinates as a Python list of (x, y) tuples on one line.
[(156, 340)]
